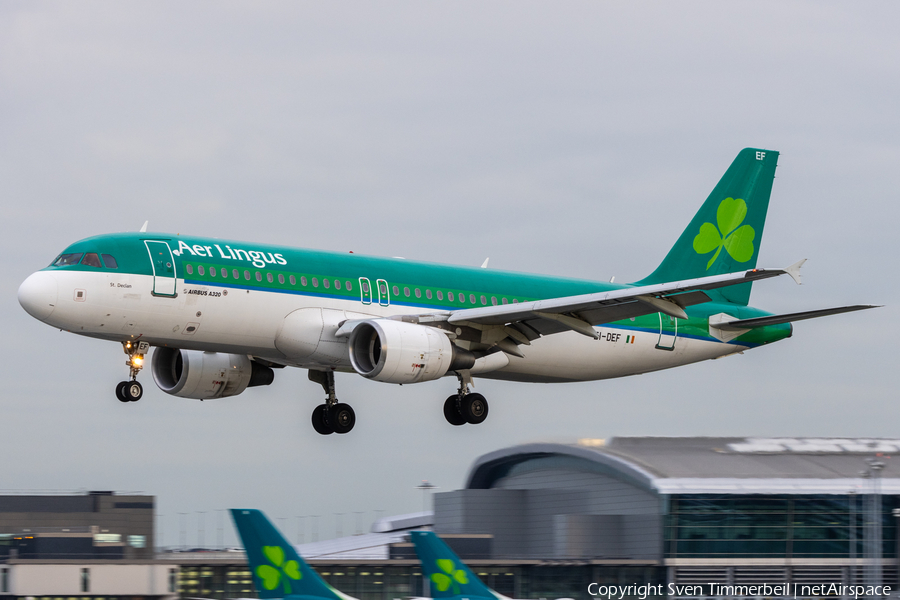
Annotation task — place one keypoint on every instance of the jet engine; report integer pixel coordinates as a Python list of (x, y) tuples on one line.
[(206, 375), (398, 352)]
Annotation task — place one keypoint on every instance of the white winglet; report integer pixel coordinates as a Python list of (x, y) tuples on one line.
[(144, 226), (794, 270), (484, 264)]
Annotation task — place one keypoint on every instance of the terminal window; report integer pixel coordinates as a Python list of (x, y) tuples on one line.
[(747, 526)]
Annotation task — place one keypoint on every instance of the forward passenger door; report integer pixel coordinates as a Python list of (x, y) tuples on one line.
[(163, 263)]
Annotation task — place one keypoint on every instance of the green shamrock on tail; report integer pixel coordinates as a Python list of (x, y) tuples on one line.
[(737, 241), (453, 575), (271, 576)]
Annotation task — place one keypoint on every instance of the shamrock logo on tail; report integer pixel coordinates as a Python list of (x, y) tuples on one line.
[(283, 570), (450, 576), (737, 239)]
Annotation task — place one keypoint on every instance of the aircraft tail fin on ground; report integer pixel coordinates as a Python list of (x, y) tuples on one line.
[(278, 570), (447, 575), (725, 234)]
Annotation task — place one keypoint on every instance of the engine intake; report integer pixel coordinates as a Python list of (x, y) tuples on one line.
[(206, 375), (398, 352)]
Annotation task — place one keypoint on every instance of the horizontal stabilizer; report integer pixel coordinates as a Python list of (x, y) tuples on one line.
[(777, 319)]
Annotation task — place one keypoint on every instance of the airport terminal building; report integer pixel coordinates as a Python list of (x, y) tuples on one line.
[(544, 520), (729, 510)]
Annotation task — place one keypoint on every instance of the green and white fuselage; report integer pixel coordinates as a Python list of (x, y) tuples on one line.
[(223, 314), (244, 312)]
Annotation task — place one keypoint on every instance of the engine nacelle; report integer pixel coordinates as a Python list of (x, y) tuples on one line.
[(398, 352), (206, 375)]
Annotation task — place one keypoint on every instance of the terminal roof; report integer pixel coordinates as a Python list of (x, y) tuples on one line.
[(710, 465)]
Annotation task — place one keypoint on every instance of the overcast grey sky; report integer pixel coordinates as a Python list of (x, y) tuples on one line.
[(574, 138)]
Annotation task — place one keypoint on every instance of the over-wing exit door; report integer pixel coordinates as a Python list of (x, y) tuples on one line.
[(365, 290)]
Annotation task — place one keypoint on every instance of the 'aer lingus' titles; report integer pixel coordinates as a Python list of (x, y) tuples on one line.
[(255, 257)]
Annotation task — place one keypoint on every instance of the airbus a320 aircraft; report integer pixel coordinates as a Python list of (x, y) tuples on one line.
[(223, 315)]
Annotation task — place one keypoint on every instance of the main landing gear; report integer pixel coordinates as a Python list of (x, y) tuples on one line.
[(464, 407), (132, 390), (333, 416)]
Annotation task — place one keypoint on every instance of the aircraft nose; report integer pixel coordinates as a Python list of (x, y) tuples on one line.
[(38, 294)]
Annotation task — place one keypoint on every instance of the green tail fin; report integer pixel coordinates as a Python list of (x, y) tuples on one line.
[(278, 571), (446, 574), (725, 234)]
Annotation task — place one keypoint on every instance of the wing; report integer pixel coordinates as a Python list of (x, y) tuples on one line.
[(509, 325), (581, 313)]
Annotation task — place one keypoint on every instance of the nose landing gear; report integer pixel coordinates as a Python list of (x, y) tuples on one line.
[(132, 390), (333, 416)]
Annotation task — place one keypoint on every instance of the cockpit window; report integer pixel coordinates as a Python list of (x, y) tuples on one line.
[(68, 259), (91, 260), (109, 261)]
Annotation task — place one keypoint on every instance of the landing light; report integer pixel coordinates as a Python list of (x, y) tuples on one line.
[(137, 361)]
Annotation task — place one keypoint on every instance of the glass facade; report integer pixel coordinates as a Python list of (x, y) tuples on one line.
[(215, 582), (774, 526), (391, 581)]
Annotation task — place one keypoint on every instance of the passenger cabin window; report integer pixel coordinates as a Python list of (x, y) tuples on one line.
[(472, 298), (281, 278), (247, 275), (449, 296), (235, 273), (396, 291), (258, 276), (428, 294), (212, 271), (269, 277), (224, 273), (293, 280), (494, 300), (462, 298), (65, 260), (303, 280), (440, 295), (348, 286), (109, 261), (337, 284), (418, 293), (201, 270), (189, 269), (91, 260), (315, 282), (406, 292), (326, 283)]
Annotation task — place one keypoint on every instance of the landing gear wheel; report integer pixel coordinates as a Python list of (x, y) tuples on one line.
[(341, 418), (120, 391), (319, 423), (132, 391), (451, 411), (474, 408)]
